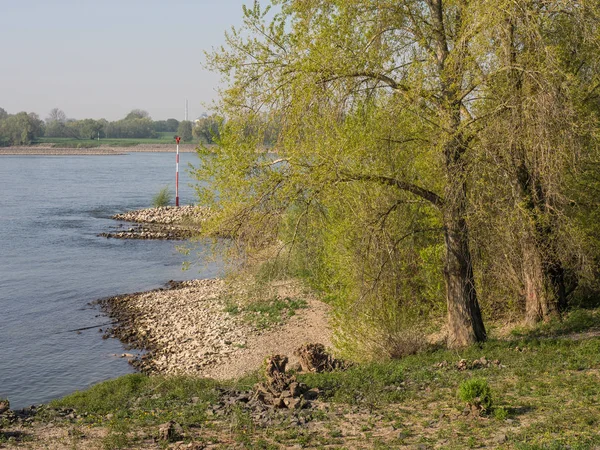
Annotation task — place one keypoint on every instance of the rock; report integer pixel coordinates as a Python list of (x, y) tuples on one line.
[(292, 403), (462, 364), (4, 406), (170, 431), (314, 358), (295, 390), (499, 438), (312, 394)]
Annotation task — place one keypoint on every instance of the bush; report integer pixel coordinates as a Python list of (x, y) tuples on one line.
[(163, 198), (477, 394)]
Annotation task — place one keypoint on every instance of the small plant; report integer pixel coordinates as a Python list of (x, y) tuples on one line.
[(477, 394), (265, 314), (163, 198), (501, 413)]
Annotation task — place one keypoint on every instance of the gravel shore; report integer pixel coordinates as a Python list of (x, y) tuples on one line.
[(185, 329), (167, 222)]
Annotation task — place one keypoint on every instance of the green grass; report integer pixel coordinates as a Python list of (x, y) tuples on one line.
[(545, 392), (164, 138), (267, 313), (162, 198), (575, 321)]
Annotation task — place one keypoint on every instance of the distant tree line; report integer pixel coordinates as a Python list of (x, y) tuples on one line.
[(136, 124), (19, 129), (24, 128)]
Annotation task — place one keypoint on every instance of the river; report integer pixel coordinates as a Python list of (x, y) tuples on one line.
[(52, 264)]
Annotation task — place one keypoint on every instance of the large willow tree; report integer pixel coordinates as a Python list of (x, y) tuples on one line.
[(381, 114), (542, 88)]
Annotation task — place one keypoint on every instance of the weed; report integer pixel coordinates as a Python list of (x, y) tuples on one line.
[(476, 393), (501, 413), (264, 314), (162, 198)]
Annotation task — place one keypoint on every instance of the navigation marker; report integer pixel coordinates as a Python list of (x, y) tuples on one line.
[(177, 138)]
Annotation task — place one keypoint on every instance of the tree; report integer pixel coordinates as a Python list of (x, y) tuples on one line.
[(172, 125), (184, 130), (388, 111), (328, 64), (539, 129), (56, 124), (3, 114), (137, 114), (89, 128), (206, 129), (56, 115), (21, 128)]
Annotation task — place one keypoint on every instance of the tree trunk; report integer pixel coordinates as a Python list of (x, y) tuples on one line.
[(465, 324), (538, 302), (543, 273)]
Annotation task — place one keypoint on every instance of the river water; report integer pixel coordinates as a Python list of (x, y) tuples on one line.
[(52, 264)]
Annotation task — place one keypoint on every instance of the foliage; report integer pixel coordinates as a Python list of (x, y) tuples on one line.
[(184, 130), (423, 158), (476, 393), (206, 129), (164, 197), (137, 124), (19, 129), (169, 125), (137, 114)]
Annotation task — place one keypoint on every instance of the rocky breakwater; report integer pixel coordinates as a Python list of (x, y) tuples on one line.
[(183, 328), (168, 222)]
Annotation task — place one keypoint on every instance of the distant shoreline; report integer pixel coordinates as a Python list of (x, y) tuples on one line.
[(48, 150)]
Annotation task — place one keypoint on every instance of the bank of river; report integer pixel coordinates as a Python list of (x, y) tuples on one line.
[(50, 150)]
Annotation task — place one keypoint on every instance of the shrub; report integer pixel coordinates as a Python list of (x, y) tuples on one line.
[(163, 198), (477, 394)]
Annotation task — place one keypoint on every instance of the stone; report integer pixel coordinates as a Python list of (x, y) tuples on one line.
[(295, 389), (500, 438), (4, 406), (170, 431), (292, 403)]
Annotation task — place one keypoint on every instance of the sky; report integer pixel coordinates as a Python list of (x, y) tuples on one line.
[(103, 58)]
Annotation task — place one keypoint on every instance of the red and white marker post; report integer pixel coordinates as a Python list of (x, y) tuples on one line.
[(177, 138)]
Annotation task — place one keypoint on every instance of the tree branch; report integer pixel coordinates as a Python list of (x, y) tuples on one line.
[(430, 196), (372, 75)]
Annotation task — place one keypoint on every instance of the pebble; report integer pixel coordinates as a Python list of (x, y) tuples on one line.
[(184, 328), (164, 223)]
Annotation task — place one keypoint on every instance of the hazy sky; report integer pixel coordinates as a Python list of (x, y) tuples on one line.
[(103, 58)]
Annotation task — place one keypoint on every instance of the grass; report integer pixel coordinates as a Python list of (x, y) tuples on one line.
[(577, 321), (164, 138), (546, 394), (162, 198), (264, 314)]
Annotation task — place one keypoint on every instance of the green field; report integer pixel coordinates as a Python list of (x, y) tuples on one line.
[(166, 137)]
